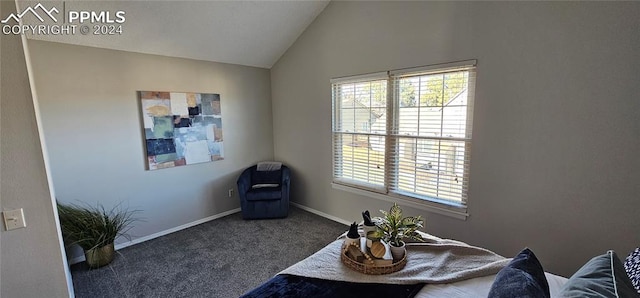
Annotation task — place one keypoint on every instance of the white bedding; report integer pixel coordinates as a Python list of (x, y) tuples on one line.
[(472, 287), (479, 287)]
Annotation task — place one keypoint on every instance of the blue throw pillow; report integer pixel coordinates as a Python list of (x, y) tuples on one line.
[(602, 276), (523, 277)]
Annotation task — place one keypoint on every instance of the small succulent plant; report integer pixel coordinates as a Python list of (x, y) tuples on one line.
[(366, 217), (353, 231)]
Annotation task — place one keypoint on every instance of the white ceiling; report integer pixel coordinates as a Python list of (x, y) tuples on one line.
[(253, 33)]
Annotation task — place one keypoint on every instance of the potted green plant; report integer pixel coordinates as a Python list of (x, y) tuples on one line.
[(393, 228), (95, 229)]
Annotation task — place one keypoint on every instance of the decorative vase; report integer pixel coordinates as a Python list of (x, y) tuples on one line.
[(366, 229), (348, 241), (100, 256), (372, 237), (398, 251)]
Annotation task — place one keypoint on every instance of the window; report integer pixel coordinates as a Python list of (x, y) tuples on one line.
[(406, 133)]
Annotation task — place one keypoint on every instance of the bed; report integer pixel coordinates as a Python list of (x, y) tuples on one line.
[(448, 268)]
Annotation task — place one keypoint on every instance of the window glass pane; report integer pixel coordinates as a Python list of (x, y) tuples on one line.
[(407, 91), (417, 164), (443, 105), (432, 168), (363, 107), (347, 120), (437, 90), (361, 158), (451, 170), (363, 94), (346, 95), (431, 90), (363, 118), (454, 83), (430, 122), (408, 120), (454, 122), (379, 94)]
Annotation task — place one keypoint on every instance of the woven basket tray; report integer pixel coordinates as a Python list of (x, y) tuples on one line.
[(372, 269)]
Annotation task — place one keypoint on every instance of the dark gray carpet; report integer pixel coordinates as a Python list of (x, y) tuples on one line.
[(226, 257)]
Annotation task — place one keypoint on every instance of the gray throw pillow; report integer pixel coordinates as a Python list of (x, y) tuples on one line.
[(602, 276)]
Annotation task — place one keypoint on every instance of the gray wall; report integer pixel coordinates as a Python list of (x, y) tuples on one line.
[(31, 259), (556, 129), (92, 124)]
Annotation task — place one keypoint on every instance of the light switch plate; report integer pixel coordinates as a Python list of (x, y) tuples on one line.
[(14, 219)]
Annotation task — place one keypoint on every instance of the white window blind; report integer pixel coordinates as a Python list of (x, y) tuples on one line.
[(413, 141), (358, 133)]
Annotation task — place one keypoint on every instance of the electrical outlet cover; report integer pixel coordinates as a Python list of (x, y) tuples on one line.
[(14, 219)]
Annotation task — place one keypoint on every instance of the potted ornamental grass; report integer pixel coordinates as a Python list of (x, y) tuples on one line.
[(95, 229), (393, 228)]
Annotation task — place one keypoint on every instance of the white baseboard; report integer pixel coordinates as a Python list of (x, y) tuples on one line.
[(325, 215), (162, 233)]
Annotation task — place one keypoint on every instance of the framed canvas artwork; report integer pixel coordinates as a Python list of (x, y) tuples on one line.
[(181, 128)]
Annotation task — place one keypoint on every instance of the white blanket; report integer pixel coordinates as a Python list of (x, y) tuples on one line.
[(434, 262)]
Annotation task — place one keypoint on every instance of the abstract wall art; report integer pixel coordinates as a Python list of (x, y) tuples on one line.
[(181, 128)]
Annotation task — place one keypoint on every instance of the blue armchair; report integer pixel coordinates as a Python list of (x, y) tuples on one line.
[(264, 194)]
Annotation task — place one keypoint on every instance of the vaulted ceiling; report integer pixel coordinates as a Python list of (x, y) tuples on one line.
[(253, 33)]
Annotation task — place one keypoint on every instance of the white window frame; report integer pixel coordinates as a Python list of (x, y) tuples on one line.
[(387, 191)]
